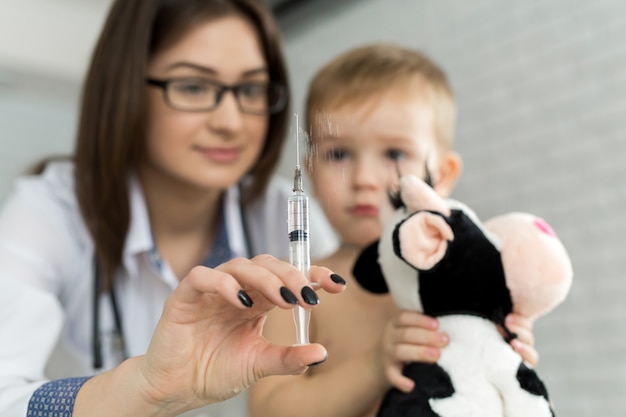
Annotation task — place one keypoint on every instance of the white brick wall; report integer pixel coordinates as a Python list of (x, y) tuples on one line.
[(541, 86)]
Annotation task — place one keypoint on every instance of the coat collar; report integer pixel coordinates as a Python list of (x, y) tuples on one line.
[(139, 239)]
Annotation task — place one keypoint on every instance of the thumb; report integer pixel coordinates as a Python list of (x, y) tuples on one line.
[(289, 360)]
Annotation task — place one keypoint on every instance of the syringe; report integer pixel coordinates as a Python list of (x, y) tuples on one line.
[(299, 247)]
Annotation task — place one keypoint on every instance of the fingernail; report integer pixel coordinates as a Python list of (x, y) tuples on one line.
[(443, 338), (338, 279), (288, 295), (317, 363), (309, 296), (432, 324), (433, 353), (244, 298), (517, 345)]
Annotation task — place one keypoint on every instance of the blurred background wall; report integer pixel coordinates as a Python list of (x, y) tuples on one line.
[(541, 86)]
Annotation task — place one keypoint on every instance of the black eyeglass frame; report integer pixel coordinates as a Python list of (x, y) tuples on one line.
[(221, 90)]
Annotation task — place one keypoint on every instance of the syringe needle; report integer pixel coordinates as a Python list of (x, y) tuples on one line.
[(297, 142)]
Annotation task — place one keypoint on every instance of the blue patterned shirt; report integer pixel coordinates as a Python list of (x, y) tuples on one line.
[(55, 398)]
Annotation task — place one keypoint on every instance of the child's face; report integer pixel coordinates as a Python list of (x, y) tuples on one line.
[(358, 152)]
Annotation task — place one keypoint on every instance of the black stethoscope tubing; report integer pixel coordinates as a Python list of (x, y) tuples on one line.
[(97, 340)]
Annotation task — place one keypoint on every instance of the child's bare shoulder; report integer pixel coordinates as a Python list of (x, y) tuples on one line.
[(353, 320)]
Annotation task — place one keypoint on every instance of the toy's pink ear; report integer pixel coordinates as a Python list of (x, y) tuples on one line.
[(423, 239), (417, 195)]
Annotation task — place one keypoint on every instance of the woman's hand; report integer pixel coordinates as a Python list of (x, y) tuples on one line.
[(409, 337), (208, 347)]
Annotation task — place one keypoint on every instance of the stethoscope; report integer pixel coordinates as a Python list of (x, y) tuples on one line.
[(118, 335)]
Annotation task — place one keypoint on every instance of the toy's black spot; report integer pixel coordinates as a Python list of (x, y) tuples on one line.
[(470, 275), (529, 381), (431, 381), (367, 270)]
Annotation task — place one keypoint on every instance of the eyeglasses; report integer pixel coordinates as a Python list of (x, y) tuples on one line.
[(198, 94)]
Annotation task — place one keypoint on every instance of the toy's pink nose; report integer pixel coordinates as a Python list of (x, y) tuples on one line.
[(544, 227)]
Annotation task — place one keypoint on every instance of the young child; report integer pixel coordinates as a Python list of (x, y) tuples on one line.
[(372, 113)]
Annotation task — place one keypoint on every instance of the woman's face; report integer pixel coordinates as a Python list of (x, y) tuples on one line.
[(209, 149)]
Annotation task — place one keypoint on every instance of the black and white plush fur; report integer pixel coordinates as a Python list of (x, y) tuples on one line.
[(478, 374)]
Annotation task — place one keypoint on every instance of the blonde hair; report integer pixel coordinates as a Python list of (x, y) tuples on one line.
[(369, 71)]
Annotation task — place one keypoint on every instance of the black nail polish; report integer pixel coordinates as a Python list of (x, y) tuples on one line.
[(309, 296), (288, 295), (317, 363), (244, 298), (338, 279)]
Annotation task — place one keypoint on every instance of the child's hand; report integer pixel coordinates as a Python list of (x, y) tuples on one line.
[(524, 343), (409, 337), (414, 337)]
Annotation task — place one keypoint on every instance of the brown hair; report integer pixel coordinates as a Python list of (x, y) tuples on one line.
[(112, 125), (368, 71)]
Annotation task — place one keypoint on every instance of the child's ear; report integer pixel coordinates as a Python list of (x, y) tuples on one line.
[(450, 167)]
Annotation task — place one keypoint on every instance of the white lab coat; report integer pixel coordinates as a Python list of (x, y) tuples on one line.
[(46, 281)]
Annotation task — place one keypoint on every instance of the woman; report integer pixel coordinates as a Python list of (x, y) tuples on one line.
[(184, 109)]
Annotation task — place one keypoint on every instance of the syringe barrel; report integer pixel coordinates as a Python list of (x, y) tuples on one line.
[(298, 228)]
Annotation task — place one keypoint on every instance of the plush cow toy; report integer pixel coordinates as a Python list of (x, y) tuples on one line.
[(436, 257)]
